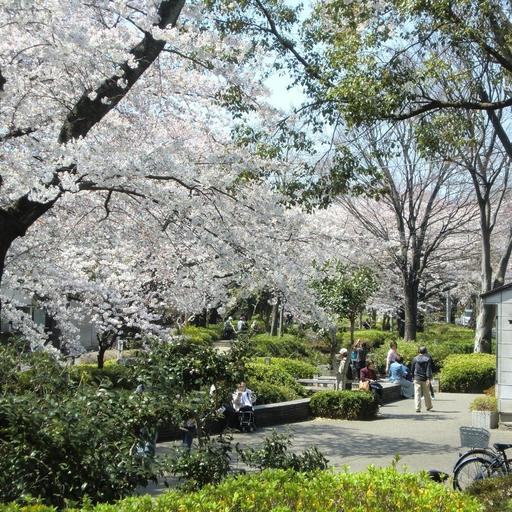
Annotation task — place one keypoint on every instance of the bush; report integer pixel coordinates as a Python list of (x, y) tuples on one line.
[(268, 393), (349, 405), (373, 337), (61, 448), (203, 334), (445, 333), (208, 464), (257, 373), (484, 403), (273, 346), (113, 373), (375, 490), (495, 494), (471, 373), (295, 367), (274, 455)]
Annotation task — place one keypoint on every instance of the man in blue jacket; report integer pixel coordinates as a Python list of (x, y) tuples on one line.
[(421, 369)]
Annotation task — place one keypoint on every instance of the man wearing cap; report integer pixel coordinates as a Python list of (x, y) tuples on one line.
[(343, 379)]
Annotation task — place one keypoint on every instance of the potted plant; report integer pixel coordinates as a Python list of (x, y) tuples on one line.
[(484, 412)]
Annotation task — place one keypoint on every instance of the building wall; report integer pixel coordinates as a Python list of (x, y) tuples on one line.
[(503, 350)]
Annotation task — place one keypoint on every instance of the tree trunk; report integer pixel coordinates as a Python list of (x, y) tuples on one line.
[(101, 355), (485, 317), (352, 329), (410, 310), (334, 346), (4, 247), (281, 320), (400, 321), (483, 331), (275, 317)]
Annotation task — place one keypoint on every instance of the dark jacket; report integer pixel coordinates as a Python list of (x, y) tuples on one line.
[(421, 367)]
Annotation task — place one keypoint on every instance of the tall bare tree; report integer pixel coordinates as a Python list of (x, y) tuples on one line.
[(422, 215)]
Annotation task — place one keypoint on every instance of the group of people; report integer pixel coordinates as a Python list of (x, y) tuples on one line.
[(359, 368), (230, 331), (415, 381)]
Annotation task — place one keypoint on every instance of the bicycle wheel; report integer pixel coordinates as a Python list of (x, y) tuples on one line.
[(471, 470), (481, 453)]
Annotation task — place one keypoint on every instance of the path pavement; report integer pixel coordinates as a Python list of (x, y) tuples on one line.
[(429, 440)]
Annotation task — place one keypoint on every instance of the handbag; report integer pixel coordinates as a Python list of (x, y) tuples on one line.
[(364, 385)]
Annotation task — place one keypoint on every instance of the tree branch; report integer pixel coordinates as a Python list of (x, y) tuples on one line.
[(87, 112)]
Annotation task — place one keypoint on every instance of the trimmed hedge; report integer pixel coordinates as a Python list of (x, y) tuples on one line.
[(373, 337), (268, 393), (203, 334), (272, 382), (273, 346), (468, 373), (375, 490), (446, 333), (349, 405), (295, 367)]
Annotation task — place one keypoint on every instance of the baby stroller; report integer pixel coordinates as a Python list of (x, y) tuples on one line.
[(246, 421)]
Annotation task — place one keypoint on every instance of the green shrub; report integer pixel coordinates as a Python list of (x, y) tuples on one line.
[(274, 455), (208, 464), (268, 393), (445, 333), (468, 373), (274, 346), (374, 338), (295, 367), (484, 403), (277, 490), (118, 375), (258, 373), (349, 405), (62, 447), (495, 494), (270, 373), (203, 334)]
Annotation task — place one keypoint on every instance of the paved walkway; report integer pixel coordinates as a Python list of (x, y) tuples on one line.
[(428, 440)]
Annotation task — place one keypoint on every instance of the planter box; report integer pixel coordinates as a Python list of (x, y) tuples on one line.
[(484, 419)]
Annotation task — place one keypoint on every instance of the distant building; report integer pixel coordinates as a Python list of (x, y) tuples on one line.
[(40, 317)]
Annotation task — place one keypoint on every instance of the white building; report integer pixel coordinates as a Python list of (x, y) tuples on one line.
[(39, 316), (502, 298)]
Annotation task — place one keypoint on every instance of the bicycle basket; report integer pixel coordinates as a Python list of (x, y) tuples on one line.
[(474, 437)]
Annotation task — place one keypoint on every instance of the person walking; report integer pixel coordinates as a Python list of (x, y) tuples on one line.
[(421, 370)]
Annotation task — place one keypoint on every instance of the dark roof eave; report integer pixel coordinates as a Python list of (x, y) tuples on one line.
[(496, 290)]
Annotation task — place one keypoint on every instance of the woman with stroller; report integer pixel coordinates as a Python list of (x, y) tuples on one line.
[(243, 399)]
